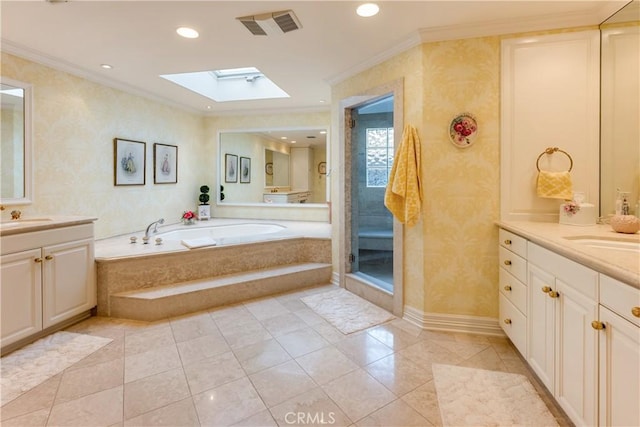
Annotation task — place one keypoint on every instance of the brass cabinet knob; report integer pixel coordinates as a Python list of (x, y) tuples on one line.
[(37, 260), (507, 321), (635, 311), (507, 288), (553, 294), (597, 325), (507, 242), (507, 262), (546, 289), (48, 257)]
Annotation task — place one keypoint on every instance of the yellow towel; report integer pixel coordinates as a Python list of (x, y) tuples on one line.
[(554, 185), (403, 195)]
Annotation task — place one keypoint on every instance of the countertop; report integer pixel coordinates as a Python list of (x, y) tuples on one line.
[(618, 264), (42, 222)]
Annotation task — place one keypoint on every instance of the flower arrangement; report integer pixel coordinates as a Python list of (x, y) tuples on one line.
[(571, 208), (462, 129), (188, 217)]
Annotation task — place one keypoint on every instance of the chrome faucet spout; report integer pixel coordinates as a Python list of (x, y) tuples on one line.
[(154, 224)]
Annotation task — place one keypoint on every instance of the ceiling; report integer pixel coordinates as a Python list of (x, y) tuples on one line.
[(138, 39)]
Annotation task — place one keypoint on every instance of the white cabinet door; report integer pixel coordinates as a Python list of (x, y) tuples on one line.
[(20, 281), (576, 383), (541, 325), (69, 280), (619, 371)]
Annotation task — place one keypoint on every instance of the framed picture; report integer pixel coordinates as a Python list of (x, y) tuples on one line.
[(129, 162), (165, 164), (245, 170), (322, 168), (230, 168), (268, 168)]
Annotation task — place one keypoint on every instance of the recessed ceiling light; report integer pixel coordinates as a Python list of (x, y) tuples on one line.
[(293, 142), (187, 32), (283, 137), (367, 9), (208, 107), (106, 66)]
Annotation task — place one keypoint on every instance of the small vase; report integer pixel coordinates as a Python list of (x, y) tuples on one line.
[(189, 221)]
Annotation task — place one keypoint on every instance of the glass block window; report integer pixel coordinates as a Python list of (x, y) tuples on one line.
[(379, 154)]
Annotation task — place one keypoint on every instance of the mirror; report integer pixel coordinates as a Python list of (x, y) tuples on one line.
[(286, 166), (620, 108), (15, 142)]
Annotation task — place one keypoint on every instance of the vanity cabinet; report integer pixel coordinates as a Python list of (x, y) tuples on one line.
[(47, 277), (562, 345), (619, 353), (288, 197)]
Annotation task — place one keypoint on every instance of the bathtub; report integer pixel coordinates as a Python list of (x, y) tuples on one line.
[(225, 234)]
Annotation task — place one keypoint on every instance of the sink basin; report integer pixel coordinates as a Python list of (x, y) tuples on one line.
[(611, 243)]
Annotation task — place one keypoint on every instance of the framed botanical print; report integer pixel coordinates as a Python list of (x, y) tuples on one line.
[(165, 164), (230, 168), (245, 170), (129, 162)]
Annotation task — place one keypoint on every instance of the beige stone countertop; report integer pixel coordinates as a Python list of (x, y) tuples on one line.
[(41, 222), (623, 265)]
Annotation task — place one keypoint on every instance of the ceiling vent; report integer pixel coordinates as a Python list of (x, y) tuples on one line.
[(271, 23)]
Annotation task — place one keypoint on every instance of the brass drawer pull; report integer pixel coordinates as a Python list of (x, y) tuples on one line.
[(635, 311), (507, 288), (507, 321), (597, 325), (507, 242), (37, 260), (507, 262), (546, 289), (554, 294), (48, 257)]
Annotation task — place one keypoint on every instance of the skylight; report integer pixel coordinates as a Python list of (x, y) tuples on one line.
[(233, 84)]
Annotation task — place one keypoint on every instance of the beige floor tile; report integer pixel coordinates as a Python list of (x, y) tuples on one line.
[(505, 350), (425, 400), (148, 339), (292, 304), (395, 414), (228, 404), (141, 365), (244, 334), (102, 408), (262, 355), (487, 359), (154, 392), (464, 349), (309, 316), (312, 408), (393, 336), (399, 374), (39, 397), (358, 394), (408, 327), (265, 308), (282, 382), (302, 341), (363, 349), (326, 364), (201, 348), (283, 324), (186, 328), (228, 311), (328, 332), (426, 352), (213, 372), (32, 419), (80, 382), (261, 419), (181, 413), (111, 351)]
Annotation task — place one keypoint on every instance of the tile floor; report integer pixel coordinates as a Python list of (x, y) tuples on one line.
[(265, 362)]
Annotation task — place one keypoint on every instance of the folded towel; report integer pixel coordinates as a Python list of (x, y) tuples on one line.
[(554, 185), (403, 194), (198, 243)]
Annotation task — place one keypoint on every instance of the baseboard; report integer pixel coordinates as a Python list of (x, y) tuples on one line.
[(453, 322)]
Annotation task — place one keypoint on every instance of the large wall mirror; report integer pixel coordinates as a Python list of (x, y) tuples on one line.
[(274, 167), (15, 143), (620, 108)]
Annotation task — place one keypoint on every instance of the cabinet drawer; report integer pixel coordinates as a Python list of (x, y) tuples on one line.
[(514, 290), (513, 263), (620, 298), (513, 242), (514, 324)]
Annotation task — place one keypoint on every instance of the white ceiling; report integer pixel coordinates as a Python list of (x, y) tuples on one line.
[(138, 38)]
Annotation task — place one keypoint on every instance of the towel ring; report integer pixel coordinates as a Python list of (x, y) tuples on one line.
[(552, 150)]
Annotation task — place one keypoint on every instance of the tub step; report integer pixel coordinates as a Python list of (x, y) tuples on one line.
[(160, 302)]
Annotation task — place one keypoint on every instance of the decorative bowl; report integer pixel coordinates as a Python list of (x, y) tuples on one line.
[(628, 224)]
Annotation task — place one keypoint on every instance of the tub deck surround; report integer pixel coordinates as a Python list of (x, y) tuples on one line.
[(560, 238), (150, 282), (28, 224)]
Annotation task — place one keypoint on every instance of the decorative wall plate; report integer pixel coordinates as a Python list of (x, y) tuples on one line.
[(463, 130)]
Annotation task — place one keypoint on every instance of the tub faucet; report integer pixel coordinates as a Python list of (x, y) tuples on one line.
[(154, 224)]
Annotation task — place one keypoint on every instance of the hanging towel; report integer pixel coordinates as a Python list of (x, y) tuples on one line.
[(403, 194), (554, 185)]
